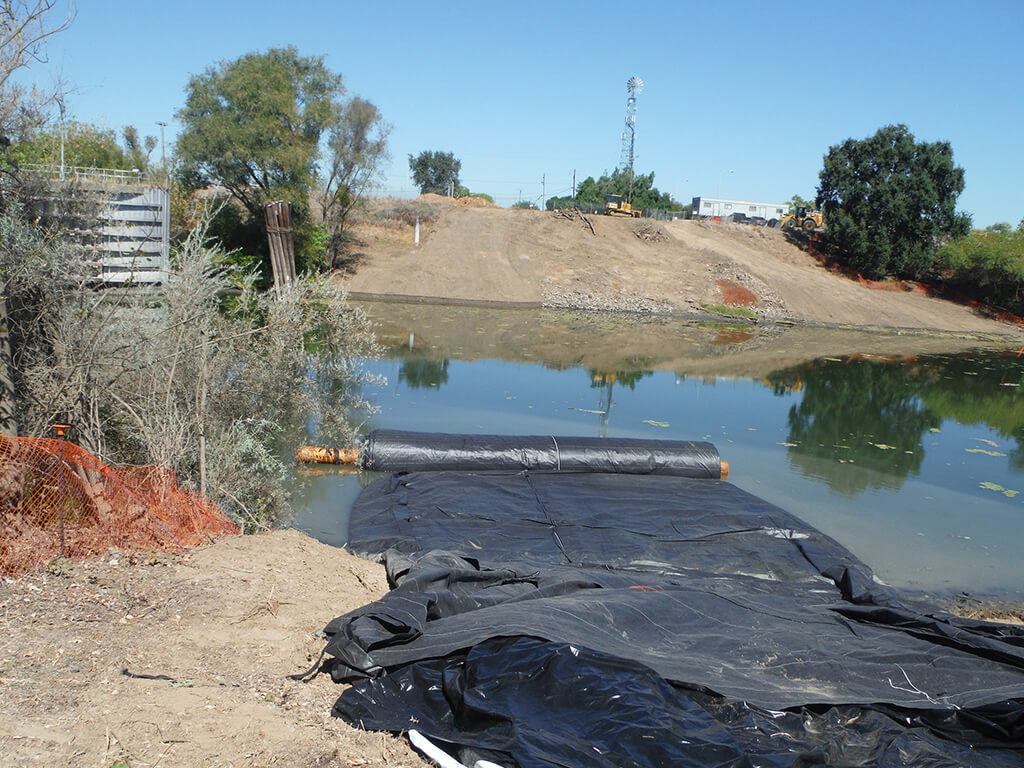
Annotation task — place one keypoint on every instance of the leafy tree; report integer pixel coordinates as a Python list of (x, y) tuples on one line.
[(525, 204), (987, 266), (85, 145), (253, 126), (889, 201), (999, 226), (799, 202), (358, 147), (592, 194), (138, 149), (436, 172)]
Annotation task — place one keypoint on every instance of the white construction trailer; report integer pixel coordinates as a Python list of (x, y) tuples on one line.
[(706, 207)]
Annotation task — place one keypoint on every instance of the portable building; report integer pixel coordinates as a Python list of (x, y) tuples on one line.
[(706, 207)]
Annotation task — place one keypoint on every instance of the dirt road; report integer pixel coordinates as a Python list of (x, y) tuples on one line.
[(488, 254)]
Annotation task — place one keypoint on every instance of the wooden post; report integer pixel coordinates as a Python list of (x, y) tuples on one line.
[(281, 238)]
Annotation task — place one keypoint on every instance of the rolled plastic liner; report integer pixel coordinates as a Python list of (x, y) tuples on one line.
[(556, 619), (390, 450)]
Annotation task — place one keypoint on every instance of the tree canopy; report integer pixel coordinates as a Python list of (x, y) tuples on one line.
[(436, 172), (253, 126), (592, 194), (256, 126), (358, 144), (85, 145), (889, 201)]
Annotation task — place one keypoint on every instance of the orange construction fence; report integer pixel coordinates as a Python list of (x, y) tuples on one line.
[(57, 499)]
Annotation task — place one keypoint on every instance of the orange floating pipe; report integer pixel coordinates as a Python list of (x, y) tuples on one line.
[(313, 454)]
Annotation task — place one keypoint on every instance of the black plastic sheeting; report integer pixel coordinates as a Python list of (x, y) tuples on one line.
[(392, 450), (545, 619)]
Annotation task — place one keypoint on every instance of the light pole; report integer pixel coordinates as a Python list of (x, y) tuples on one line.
[(720, 175), (163, 152)]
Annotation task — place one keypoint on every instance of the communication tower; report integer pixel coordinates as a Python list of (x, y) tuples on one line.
[(633, 86)]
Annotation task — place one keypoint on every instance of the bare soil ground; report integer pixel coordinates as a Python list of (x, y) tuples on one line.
[(485, 254), (156, 660)]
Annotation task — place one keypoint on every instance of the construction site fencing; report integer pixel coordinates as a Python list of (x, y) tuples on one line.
[(59, 500)]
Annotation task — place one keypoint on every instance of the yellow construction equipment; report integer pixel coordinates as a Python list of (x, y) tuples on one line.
[(803, 218), (616, 206)]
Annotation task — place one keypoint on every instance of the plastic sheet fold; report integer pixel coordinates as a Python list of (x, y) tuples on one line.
[(572, 619)]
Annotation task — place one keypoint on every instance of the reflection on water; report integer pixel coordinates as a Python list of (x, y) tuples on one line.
[(860, 412), (418, 373), (878, 414), (910, 458)]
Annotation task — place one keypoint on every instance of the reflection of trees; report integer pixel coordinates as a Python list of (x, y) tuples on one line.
[(420, 374), (606, 383), (981, 391), (599, 379), (858, 425)]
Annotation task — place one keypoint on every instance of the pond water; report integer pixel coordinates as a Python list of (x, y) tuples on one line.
[(913, 462)]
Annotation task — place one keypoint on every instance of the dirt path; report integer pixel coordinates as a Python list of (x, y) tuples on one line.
[(207, 639), (487, 254)]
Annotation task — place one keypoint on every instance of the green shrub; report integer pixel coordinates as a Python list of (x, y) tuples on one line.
[(986, 266)]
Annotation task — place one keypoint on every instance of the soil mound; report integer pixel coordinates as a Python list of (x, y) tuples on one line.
[(478, 253)]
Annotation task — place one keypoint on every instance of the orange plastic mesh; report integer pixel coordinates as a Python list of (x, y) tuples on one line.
[(57, 499)]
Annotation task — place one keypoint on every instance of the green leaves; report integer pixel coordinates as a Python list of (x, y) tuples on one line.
[(435, 172), (592, 194), (889, 201), (254, 125)]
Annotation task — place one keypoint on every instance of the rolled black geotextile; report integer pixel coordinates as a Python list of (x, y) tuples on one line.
[(392, 450)]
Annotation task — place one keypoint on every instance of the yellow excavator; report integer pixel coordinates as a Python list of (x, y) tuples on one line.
[(615, 206), (803, 218)]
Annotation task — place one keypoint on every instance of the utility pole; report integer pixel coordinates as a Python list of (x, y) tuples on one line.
[(574, 186), (542, 194), (163, 154)]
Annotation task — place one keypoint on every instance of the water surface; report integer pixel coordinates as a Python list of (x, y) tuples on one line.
[(907, 454)]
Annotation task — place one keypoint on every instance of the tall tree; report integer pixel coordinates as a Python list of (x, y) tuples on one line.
[(889, 201), (358, 145), (138, 150), (253, 126), (435, 172)]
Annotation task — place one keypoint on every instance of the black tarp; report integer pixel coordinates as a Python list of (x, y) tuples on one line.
[(542, 619), (393, 450)]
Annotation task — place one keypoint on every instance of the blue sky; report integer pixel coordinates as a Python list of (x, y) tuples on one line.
[(740, 98)]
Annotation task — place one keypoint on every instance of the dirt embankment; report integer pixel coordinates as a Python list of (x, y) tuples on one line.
[(152, 660), (510, 256)]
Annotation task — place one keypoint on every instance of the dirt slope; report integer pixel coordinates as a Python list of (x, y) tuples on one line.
[(207, 638), (509, 255)]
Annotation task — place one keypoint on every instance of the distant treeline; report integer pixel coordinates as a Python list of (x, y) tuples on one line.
[(592, 194)]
